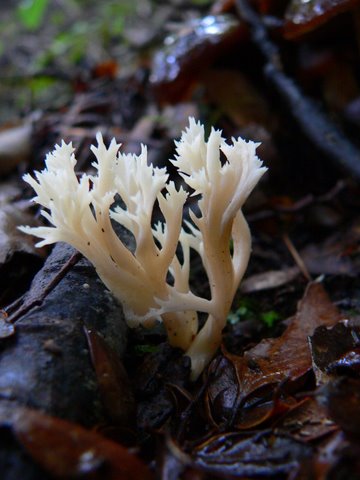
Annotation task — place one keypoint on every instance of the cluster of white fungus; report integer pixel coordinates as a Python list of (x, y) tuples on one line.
[(152, 283)]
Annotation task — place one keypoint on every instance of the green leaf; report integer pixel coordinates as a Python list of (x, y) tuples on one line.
[(39, 84), (31, 13)]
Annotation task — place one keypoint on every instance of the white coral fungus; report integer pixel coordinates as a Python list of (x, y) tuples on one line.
[(153, 282)]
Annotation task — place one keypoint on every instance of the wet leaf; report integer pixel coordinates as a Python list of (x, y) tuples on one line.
[(48, 366), (302, 16), (287, 357), (341, 398), (239, 455), (306, 421), (336, 350), (66, 450), (6, 329), (187, 53), (263, 411), (113, 381), (273, 360), (325, 459)]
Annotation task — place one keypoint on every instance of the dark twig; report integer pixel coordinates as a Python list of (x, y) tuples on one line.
[(27, 306), (297, 257), (327, 137), (304, 202)]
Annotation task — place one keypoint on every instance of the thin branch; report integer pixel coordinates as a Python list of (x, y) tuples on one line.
[(27, 306), (312, 120)]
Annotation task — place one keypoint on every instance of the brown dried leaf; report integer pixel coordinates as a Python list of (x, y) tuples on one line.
[(66, 450), (288, 357), (306, 421), (273, 360), (249, 418)]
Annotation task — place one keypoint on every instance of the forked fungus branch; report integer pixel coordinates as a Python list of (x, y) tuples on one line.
[(152, 283)]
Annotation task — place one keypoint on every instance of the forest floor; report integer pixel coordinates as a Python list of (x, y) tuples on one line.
[(281, 397)]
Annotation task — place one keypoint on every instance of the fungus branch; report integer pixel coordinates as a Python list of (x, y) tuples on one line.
[(80, 213)]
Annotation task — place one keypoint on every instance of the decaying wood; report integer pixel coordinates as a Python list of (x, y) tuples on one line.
[(46, 364)]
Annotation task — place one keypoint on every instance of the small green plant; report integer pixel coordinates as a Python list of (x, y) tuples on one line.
[(143, 349), (270, 318), (248, 310), (31, 13)]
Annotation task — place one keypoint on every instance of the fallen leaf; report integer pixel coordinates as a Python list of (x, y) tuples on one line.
[(268, 280), (114, 384), (288, 357), (341, 397), (335, 350), (306, 421), (264, 412), (273, 360), (15, 146), (67, 450), (304, 16), (186, 54), (6, 329), (240, 455)]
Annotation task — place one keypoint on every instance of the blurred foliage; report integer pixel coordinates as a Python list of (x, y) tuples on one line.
[(46, 44), (74, 29), (31, 13)]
